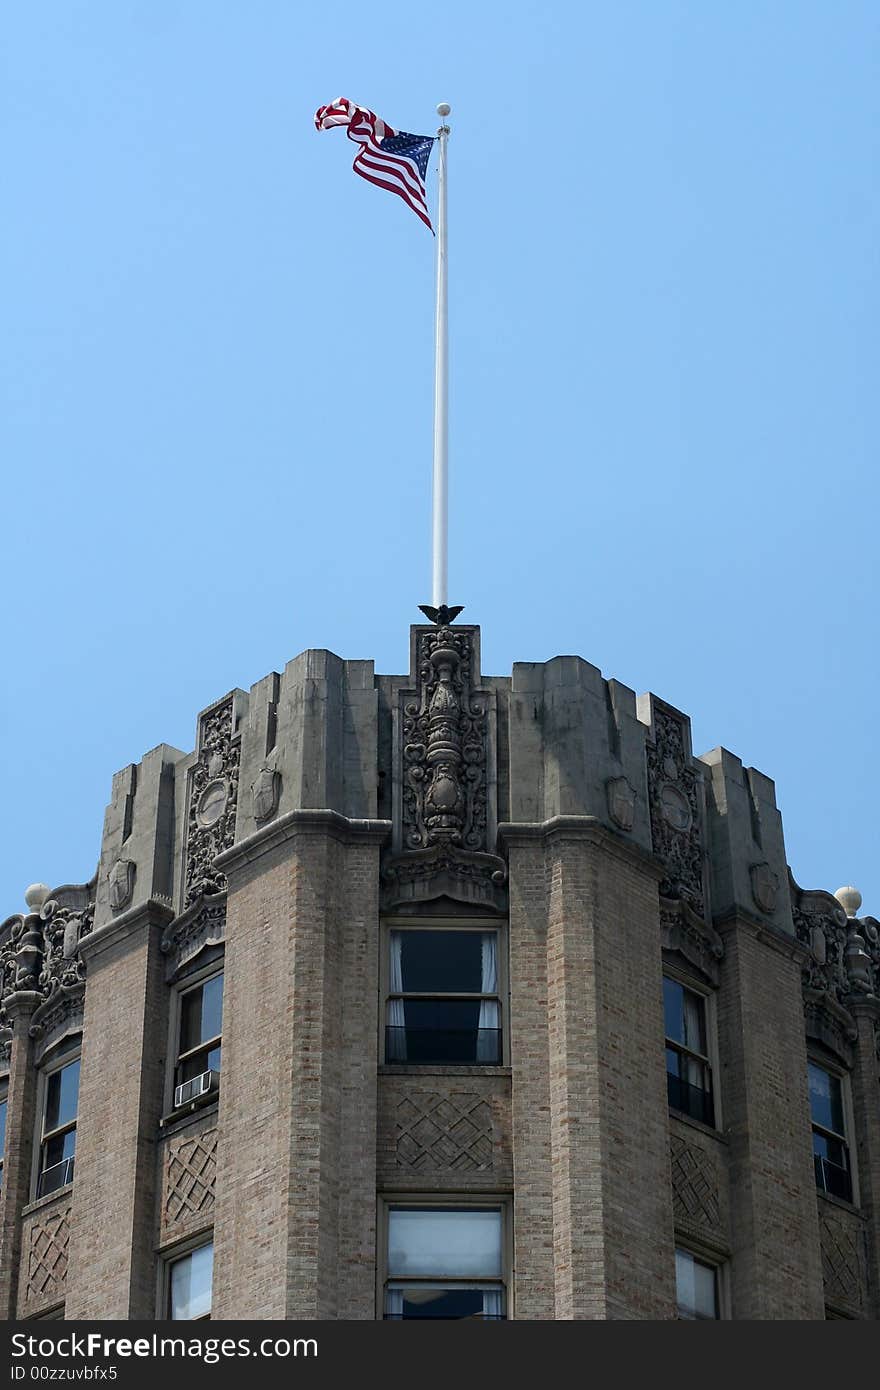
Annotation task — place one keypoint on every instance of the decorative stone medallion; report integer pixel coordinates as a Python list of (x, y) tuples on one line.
[(765, 886), (621, 802), (121, 884), (265, 793)]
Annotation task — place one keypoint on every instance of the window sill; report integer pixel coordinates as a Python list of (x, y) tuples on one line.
[(39, 1202), (193, 1110), (840, 1202), (438, 1069), (698, 1124)]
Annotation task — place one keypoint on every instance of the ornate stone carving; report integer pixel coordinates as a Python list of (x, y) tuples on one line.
[(438, 872), (695, 1191), (190, 1176), (213, 800), (675, 809), (444, 735), (765, 887), (682, 931), (444, 1133), (844, 965), (121, 884), (265, 793), (444, 786), (621, 802), (845, 950), (47, 1254), (39, 952), (841, 1256), (203, 924)]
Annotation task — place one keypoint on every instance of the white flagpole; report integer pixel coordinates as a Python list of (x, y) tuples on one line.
[(440, 515)]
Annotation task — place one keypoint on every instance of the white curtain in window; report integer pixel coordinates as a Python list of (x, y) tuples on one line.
[(490, 1014), (695, 1039), (394, 1303), (396, 1045), (492, 1303)]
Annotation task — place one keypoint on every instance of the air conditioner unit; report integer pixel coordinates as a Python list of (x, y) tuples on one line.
[(192, 1090)]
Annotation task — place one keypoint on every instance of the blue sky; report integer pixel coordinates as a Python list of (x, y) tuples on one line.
[(217, 376)]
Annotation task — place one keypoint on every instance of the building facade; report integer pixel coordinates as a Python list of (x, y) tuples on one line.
[(440, 995)]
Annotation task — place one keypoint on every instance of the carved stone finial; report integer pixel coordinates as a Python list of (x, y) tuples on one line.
[(442, 615), (850, 900), (37, 894)]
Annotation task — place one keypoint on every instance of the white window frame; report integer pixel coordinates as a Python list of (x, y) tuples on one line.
[(710, 1058), (180, 988), (448, 1201), (474, 925), (848, 1136), (53, 1062), (721, 1267), (171, 1256)]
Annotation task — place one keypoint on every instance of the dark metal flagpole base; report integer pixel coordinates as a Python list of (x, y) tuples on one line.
[(442, 615)]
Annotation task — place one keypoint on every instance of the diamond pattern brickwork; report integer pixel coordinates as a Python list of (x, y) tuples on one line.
[(694, 1185), (444, 1133), (47, 1255), (191, 1171)]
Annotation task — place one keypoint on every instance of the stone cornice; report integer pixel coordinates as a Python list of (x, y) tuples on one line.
[(315, 822), (584, 828), (737, 918), (150, 912)]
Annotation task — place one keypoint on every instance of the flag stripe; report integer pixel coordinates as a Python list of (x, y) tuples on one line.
[(400, 169)]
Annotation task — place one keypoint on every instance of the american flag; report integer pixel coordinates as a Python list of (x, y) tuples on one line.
[(388, 157)]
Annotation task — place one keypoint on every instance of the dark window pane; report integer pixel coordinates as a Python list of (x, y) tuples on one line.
[(832, 1177), (54, 1177), (827, 1147), (439, 962), (446, 1030), (209, 1060), (60, 1147), (212, 1008), (62, 1092), (826, 1099), (201, 1014), (689, 1099), (673, 1010)]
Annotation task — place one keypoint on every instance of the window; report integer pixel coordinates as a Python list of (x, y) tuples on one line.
[(445, 1262), (830, 1149), (189, 1284), (696, 1287), (688, 1071), (60, 1097), (443, 997), (201, 1023), (4, 1096)]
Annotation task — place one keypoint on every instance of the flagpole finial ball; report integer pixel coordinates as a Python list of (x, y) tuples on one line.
[(444, 108)]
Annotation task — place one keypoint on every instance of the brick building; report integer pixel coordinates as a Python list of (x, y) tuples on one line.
[(521, 1015)]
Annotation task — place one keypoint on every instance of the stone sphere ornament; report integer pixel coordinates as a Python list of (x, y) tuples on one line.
[(444, 108), (36, 895), (850, 899)]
